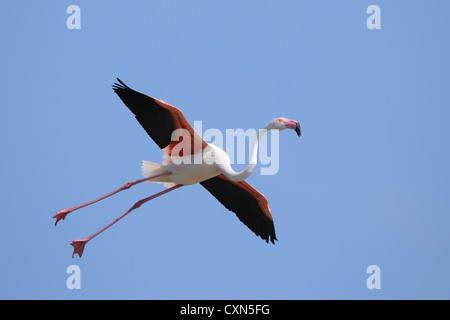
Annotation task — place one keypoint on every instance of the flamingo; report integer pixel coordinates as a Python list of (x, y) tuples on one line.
[(161, 121)]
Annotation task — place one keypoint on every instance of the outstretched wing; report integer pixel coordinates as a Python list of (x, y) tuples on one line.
[(158, 118), (250, 206)]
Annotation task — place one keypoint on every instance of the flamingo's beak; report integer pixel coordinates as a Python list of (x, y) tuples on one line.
[(297, 129), (292, 124)]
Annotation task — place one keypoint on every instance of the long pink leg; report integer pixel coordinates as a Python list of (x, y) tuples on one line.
[(78, 245), (63, 213)]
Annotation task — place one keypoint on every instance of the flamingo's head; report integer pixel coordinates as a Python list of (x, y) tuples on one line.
[(283, 123)]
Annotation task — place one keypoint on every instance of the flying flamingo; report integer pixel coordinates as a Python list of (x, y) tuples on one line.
[(161, 121)]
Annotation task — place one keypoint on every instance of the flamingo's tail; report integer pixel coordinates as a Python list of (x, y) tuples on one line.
[(152, 169)]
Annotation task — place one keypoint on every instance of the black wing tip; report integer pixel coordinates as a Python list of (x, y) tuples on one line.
[(268, 234), (119, 86), (272, 237)]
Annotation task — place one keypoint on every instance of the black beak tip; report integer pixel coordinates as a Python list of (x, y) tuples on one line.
[(297, 129)]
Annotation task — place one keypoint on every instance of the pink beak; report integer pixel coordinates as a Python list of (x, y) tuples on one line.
[(292, 124)]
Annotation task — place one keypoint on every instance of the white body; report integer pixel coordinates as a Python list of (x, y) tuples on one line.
[(188, 169)]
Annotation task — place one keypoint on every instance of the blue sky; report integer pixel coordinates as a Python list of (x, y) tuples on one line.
[(367, 183)]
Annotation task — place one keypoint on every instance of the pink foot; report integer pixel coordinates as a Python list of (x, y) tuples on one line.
[(62, 214), (78, 246)]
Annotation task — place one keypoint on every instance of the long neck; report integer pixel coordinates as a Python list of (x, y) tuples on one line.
[(244, 174)]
